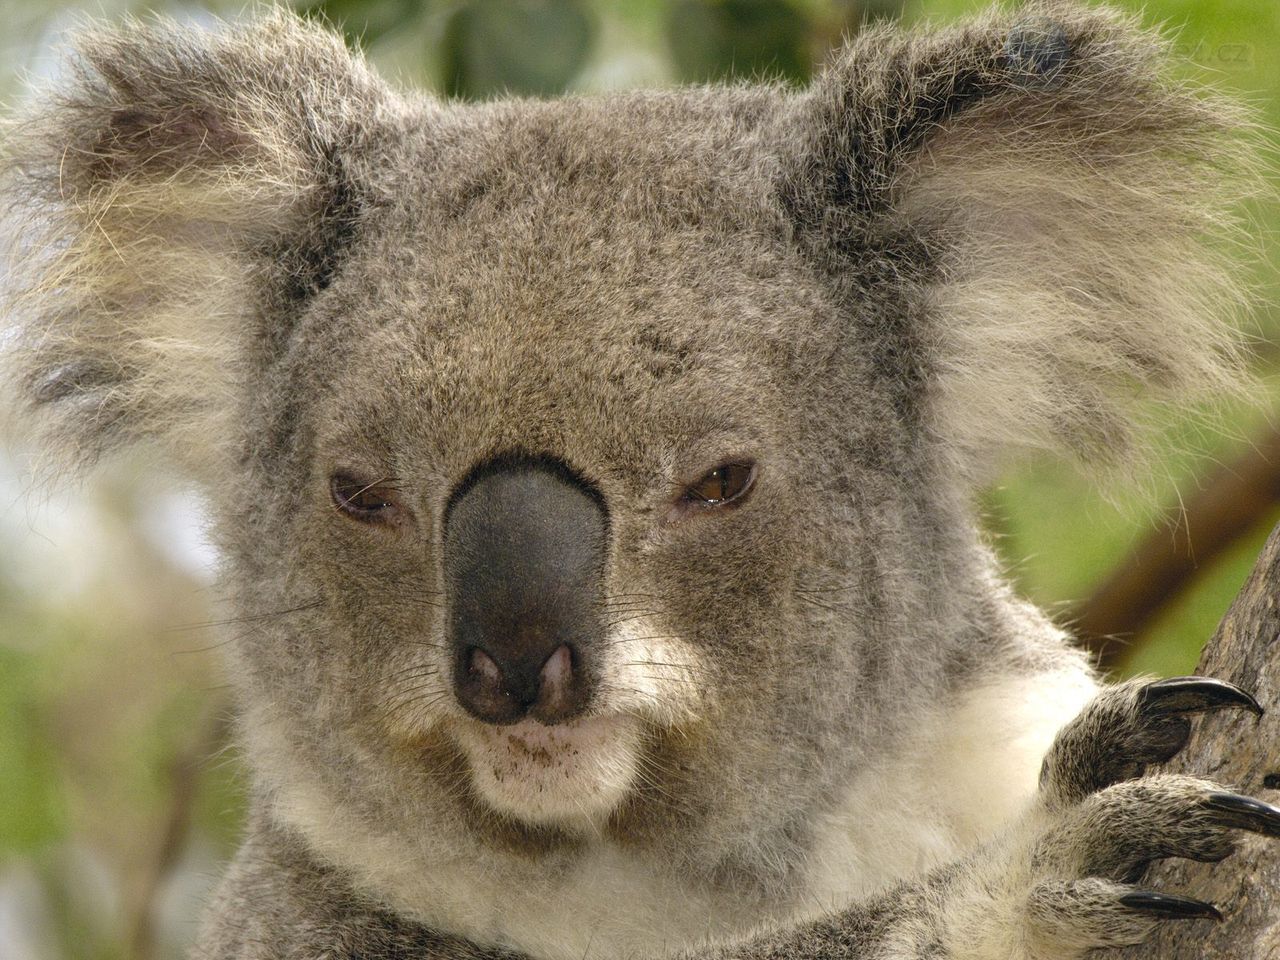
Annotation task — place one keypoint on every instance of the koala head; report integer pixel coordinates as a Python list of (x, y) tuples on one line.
[(596, 470)]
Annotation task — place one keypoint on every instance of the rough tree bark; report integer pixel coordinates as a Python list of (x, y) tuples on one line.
[(1237, 750)]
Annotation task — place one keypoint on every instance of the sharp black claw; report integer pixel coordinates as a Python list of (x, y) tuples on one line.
[(1244, 813), (1170, 906), (1194, 695)]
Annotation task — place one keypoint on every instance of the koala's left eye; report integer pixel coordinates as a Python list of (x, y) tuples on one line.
[(371, 501), (725, 484)]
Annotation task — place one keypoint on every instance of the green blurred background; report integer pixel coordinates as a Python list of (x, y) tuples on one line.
[(119, 794)]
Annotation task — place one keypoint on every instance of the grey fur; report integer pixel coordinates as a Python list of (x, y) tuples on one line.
[(244, 248)]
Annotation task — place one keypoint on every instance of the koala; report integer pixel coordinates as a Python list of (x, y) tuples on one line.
[(595, 476)]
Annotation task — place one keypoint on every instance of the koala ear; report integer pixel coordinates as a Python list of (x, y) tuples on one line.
[(168, 201), (1046, 212)]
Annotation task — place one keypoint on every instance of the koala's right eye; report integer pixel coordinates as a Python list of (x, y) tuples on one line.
[(371, 501)]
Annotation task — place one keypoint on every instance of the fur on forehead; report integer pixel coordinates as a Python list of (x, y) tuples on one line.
[(481, 358)]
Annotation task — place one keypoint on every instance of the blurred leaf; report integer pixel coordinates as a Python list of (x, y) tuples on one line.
[(869, 11), (853, 13), (363, 22), (515, 46), (719, 39), (30, 799)]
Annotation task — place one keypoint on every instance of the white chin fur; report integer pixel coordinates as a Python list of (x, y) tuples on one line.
[(571, 774)]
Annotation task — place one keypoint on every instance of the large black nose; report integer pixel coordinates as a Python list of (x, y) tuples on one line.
[(523, 559)]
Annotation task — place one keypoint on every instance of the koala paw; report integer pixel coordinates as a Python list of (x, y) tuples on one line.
[(1084, 865), (1128, 727), (1065, 878)]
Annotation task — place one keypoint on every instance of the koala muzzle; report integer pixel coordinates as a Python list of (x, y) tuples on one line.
[(524, 548)]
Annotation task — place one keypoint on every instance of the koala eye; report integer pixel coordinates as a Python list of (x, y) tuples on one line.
[(723, 485), (371, 501)]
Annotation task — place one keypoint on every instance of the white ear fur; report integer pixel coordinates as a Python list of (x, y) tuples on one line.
[(1078, 209), (153, 198), (1088, 263)]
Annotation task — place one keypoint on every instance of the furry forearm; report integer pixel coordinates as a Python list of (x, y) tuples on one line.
[(903, 924)]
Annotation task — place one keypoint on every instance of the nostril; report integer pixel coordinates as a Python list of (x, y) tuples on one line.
[(555, 687), (558, 670), (483, 669), (498, 689), (482, 688)]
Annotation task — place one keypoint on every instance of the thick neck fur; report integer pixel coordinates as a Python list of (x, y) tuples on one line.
[(955, 757)]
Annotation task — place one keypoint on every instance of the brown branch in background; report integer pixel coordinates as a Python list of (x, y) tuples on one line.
[(1232, 501), (1243, 753), (184, 777)]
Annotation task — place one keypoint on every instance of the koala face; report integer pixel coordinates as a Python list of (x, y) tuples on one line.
[(565, 456), (591, 475)]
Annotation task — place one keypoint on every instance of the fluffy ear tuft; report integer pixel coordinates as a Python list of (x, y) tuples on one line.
[(166, 201), (1056, 213)]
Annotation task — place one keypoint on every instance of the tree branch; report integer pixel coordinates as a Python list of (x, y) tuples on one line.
[(1232, 501), (1245, 754)]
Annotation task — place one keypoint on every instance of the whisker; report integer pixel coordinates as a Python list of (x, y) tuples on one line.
[(657, 663), (427, 700), (188, 651), (247, 618), (619, 641), (430, 644), (691, 682), (418, 671), (622, 620)]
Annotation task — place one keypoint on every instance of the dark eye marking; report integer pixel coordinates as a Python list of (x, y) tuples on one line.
[(370, 501), (726, 485)]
